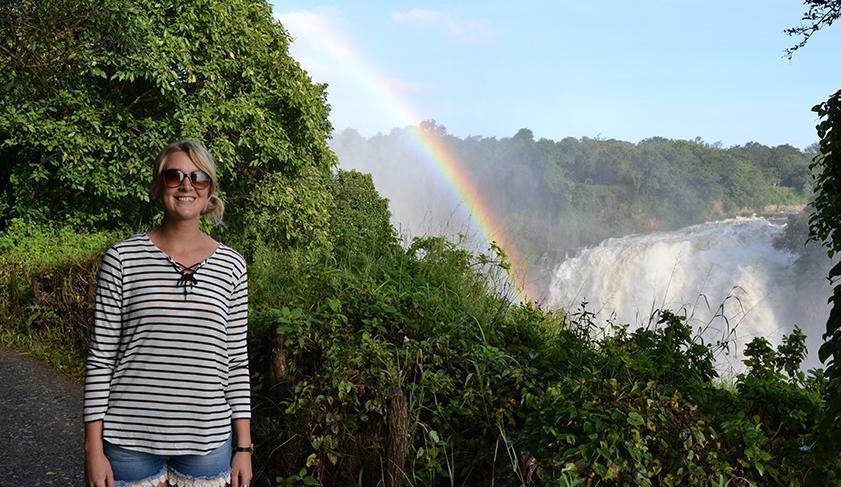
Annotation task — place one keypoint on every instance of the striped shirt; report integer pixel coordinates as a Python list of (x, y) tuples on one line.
[(167, 369)]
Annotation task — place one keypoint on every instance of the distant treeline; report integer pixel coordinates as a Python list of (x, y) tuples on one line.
[(559, 195)]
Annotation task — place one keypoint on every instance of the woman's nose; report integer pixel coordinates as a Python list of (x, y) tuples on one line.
[(184, 182)]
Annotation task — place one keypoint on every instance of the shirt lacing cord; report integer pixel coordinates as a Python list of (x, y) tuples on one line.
[(187, 278)]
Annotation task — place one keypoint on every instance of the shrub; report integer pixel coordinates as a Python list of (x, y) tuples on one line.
[(287, 212), (494, 392), (404, 321), (360, 222), (48, 277)]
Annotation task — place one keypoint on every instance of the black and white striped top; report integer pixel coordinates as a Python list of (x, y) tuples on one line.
[(167, 369)]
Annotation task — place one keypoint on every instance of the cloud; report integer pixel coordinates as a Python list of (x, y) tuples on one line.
[(308, 29), (468, 31)]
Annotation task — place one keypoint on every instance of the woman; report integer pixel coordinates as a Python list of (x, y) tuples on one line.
[(167, 372)]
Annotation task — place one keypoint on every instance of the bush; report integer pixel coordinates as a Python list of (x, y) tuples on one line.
[(48, 277), (354, 335), (395, 322), (360, 222), (491, 391), (287, 212), (504, 393)]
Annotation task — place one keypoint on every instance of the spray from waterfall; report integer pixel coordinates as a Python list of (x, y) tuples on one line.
[(725, 276)]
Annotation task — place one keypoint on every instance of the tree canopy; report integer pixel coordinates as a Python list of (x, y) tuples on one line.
[(91, 90)]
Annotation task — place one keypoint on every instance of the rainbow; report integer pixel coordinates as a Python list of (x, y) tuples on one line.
[(338, 46), (436, 154)]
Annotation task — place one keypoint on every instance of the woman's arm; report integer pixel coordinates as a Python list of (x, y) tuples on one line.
[(97, 468), (107, 326), (241, 463), (238, 392)]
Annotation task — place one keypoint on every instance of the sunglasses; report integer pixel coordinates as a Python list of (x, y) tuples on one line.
[(173, 178)]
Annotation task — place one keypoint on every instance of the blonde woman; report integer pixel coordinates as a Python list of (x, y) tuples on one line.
[(167, 396)]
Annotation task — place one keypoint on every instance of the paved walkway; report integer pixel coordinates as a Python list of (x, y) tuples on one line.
[(40, 425)]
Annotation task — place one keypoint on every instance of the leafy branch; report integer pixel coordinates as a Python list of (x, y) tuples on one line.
[(820, 14)]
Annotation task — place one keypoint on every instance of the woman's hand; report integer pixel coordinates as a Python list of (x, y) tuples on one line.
[(97, 467), (98, 470), (241, 469)]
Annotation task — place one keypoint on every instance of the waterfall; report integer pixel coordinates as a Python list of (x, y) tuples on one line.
[(725, 269)]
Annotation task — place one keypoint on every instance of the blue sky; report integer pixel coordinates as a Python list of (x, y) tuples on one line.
[(613, 69)]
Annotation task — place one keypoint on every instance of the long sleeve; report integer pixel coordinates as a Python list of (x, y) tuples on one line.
[(105, 338), (238, 392)]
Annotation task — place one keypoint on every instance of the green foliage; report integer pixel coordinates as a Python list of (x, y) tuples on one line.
[(495, 392), (785, 406), (30, 249), (824, 222), (625, 432), (666, 352), (618, 416), (622, 413), (825, 227), (360, 220), (289, 211), (418, 319), (83, 116), (47, 286)]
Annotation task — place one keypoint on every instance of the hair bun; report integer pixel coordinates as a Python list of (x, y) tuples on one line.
[(214, 210)]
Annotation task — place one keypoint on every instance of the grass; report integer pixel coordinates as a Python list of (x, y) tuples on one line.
[(48, 346)]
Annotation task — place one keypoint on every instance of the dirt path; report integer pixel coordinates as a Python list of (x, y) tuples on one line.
[(40, 425)]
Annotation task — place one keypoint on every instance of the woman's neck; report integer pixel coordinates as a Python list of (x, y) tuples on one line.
[(177, 233)]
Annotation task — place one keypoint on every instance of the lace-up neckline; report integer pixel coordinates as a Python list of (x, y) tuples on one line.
[(188, 273)]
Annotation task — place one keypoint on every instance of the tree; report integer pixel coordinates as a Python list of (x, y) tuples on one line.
[(91, 90), (825, 222), (825, 227)]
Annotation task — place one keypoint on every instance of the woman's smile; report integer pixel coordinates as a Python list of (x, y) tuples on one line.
[(184, 201)]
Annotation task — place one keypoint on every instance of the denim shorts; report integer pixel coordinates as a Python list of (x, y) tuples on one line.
[(135, 469)]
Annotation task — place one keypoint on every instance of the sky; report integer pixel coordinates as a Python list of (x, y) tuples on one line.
[(612, 69)]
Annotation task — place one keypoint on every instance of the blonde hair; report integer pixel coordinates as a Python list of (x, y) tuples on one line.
[(204, 161)]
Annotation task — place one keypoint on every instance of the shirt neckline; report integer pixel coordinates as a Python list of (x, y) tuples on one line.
[(177, 264)]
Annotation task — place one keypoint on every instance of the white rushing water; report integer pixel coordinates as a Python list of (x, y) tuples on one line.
[(730, 266)]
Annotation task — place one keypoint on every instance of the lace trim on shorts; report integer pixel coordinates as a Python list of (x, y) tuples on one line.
[(153, 481), (178, 479)]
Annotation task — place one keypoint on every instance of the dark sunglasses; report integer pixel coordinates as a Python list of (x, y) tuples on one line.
[(173, 178)]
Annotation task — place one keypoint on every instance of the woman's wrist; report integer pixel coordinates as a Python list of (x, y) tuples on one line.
[(242, 436), (93, 438), (244, 449), (94, 449)]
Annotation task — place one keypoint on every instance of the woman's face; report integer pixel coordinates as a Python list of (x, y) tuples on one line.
[(183, 202)]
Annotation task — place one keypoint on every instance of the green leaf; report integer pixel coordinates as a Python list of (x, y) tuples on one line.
[(635, 419)]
